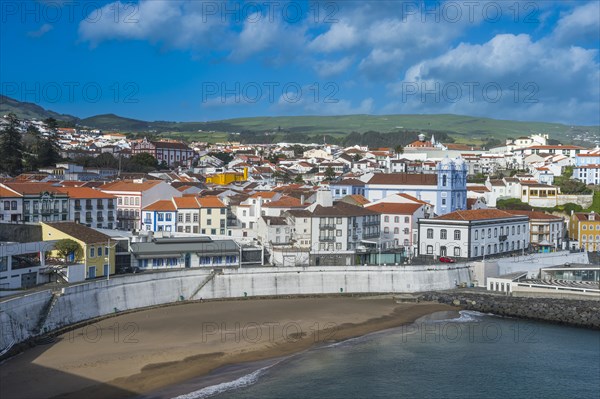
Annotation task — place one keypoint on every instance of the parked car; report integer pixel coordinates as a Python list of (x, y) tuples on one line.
[(445, 259)]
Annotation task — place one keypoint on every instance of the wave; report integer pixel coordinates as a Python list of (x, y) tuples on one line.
[(466, 316), (238, 383)]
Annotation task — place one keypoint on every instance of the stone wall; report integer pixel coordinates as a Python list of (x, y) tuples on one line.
[(20, 232), (579, 313)]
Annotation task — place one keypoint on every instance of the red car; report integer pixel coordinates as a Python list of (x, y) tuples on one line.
[(445, 259)]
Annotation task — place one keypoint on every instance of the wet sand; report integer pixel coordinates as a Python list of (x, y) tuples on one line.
[(142, 352)]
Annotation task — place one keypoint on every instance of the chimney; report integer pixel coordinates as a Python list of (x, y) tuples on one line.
[(324, 198), (302, 199), (268, 222)]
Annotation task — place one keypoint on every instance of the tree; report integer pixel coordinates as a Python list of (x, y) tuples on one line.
[(67, 247), (399, 150), (49, 151), (144, 160), (11, 147), (330, 173), (298, 179)]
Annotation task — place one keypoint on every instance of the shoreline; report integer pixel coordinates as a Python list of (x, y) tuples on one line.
[(178, 345)]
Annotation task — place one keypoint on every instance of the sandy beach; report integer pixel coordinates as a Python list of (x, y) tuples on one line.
[(137, 353)]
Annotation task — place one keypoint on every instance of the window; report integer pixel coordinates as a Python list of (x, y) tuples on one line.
[(209, 222), (457, 234), (406, 219), (195, 217), (456, 251), (513, 230), (180, 218), (495, 232), (386, 230), (429, 249), (161, 217), (584, 227), (126, 200), (187, 218), (495, 248), (168, 217), (477, 234), (443, 234), (397, 219), (13, 205), (338, 233), (7, 206), (386, 218), (489, 233), (476, 251), (444, 180), (430, 234), (120, 201), (137, 200), (338, 220), (91, 252), (583, 237), (518, 229), (338, 245), (443, 201)]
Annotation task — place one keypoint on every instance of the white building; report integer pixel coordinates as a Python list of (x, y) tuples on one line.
[(473, 234)]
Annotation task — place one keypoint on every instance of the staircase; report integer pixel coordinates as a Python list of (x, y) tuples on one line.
[(203, 283), (46, 312)]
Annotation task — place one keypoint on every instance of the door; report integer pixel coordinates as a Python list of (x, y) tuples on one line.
[(92, 272), (28, 280), (443, 251), (188, 261), (106, 270)]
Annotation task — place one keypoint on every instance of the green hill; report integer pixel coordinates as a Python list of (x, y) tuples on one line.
[(463, 129), (25, 110)]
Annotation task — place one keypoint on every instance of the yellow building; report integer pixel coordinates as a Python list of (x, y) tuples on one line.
[(98, 249), (585, 228), (227, 177)]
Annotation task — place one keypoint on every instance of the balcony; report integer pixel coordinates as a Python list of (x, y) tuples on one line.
[(327, 226), (111, 206), (99, 206), (89, 220), (100, 218), (326, 238), (111, 218), (77, 207), (129, 217), (371, 235), (48, 211), (371, 223), (89, 207), (147, 221)]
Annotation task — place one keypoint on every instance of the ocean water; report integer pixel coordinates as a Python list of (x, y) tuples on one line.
[(474, 356)]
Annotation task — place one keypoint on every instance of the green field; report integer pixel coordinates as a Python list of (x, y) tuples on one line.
[(463, 129)]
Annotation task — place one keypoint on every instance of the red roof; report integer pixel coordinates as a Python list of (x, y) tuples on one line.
[(477, 214), (394, 208), (162, 205)]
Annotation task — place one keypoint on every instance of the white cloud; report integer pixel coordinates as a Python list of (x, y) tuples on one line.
[(326, 69), (581, 24), (340, 36), (45, 28), (508, 77)]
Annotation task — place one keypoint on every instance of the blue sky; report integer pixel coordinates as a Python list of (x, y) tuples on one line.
[(208, 60)]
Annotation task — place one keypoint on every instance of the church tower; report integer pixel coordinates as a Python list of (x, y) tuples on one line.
[(451, 186)]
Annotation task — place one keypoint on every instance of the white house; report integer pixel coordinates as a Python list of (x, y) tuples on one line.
[(473, 234)]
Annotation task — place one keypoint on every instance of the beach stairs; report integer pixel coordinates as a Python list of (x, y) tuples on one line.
[(203, 283), (46, 312)]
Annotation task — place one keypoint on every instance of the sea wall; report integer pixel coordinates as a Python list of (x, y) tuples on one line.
[(580, 313), (21, 315)]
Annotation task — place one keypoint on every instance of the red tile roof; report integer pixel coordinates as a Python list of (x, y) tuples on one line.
[(534, 214), (478, 214), (395, 208), (404, 179), (162, 205), (211, 202)]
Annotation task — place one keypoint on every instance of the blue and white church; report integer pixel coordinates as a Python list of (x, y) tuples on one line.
[(446, 189)]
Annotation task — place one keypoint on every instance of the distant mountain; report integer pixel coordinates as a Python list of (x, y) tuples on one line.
[(464, 129), (25, 110)]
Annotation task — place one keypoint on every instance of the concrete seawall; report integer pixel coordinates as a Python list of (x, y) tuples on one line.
[(573, 312), (26, 316)]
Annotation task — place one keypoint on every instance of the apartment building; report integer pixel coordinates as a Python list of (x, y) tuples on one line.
[(546, 232), (473, 234), (584, 228), (134, 195), (41, 202), (91, 207)]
